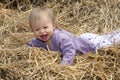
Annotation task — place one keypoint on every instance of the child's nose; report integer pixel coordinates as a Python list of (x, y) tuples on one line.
[(42, 31)]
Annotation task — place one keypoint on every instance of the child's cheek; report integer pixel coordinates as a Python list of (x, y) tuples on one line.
[(36, 34)]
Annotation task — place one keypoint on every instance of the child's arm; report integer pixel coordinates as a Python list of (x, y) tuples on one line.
[(67, 47), (37, 43), (31, 44), (68, 50)]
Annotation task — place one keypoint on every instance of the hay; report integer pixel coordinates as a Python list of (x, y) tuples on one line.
[(21, 62)]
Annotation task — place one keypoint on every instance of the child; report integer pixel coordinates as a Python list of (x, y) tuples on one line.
[(48, 36)]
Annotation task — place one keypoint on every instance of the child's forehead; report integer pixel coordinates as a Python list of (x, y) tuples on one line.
[(38, 23), (44, 16), (42, 19), (41, 22)]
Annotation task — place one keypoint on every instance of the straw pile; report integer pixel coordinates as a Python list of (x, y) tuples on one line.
[(21, 62)]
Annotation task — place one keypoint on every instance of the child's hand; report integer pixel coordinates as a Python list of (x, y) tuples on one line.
[(64, 63)]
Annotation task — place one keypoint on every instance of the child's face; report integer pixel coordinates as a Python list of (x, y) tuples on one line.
[(43, 28)]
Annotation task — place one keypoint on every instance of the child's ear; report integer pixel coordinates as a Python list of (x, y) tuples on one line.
[(54, 25)]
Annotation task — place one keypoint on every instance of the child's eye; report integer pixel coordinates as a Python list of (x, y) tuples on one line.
[(36, 29), (45, 27)]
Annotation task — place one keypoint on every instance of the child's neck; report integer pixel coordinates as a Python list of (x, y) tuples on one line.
[(49, 43)]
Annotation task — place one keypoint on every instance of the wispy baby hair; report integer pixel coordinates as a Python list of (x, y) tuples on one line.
[(37, 13)]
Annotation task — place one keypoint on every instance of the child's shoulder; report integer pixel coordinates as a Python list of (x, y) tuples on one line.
[(61, 34)]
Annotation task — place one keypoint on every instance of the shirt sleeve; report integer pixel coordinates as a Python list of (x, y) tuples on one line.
[(36, 43), (31, 43), (67, 48)]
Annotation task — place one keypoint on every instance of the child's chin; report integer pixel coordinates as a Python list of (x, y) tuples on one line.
[(44, 40)]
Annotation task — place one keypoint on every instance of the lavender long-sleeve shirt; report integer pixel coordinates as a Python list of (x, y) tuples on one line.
[(67, 44), (70, 45)]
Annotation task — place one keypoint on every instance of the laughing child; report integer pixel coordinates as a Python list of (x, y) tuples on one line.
[(48, 36)]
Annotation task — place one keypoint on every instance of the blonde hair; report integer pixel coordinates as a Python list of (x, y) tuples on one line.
[(36, 13)]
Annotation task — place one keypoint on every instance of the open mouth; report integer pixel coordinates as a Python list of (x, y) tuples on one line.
[(44, 37)]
